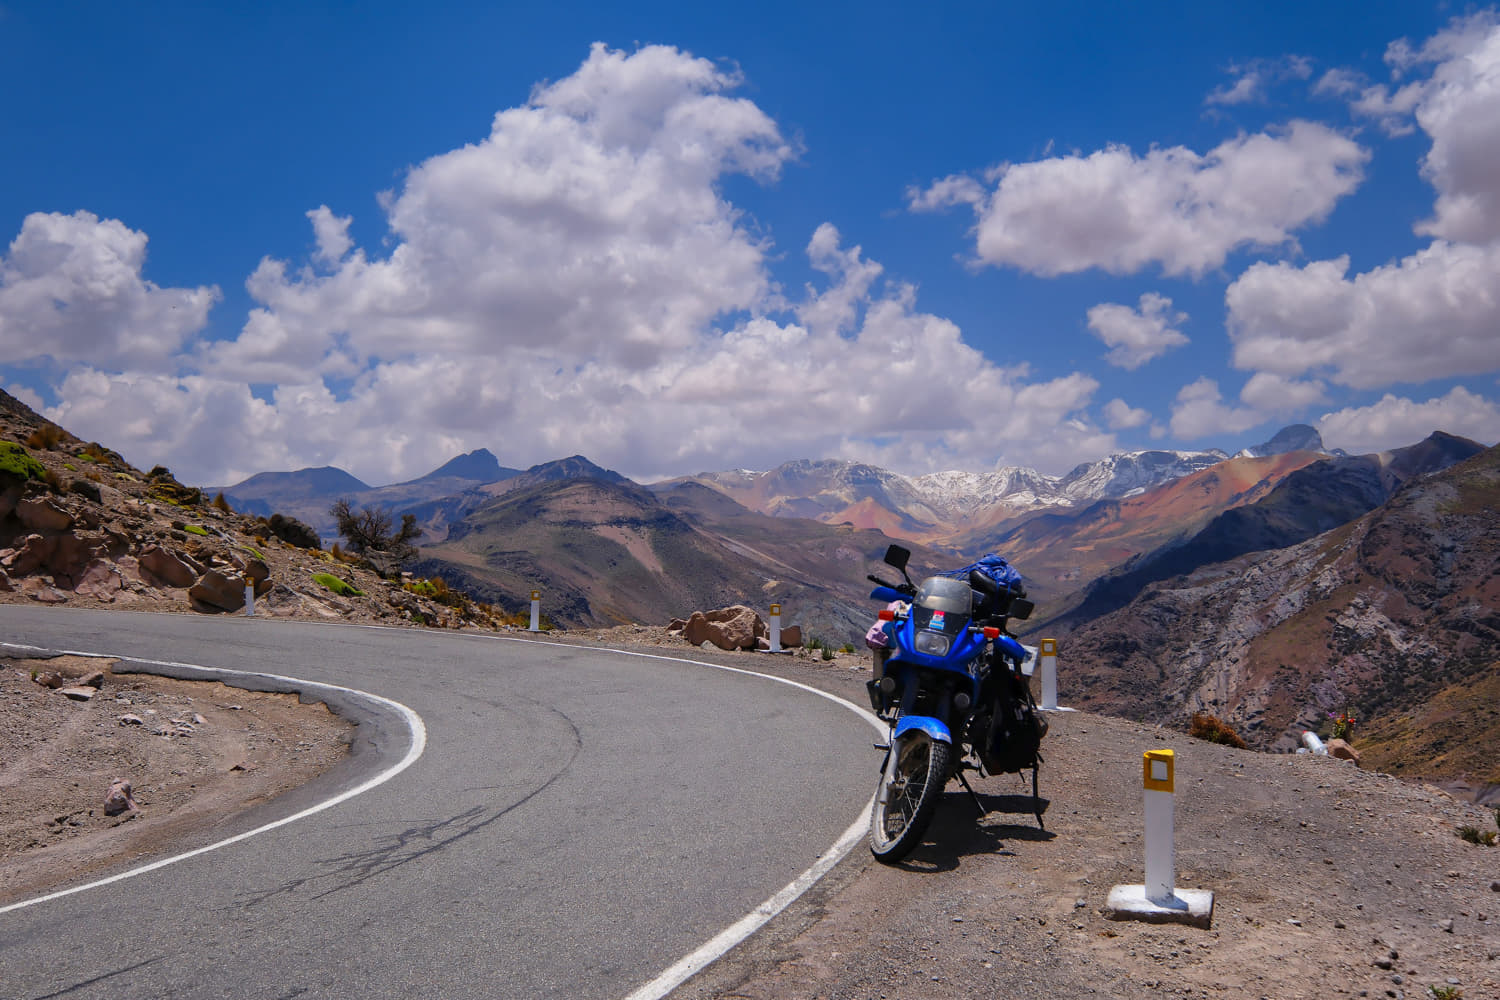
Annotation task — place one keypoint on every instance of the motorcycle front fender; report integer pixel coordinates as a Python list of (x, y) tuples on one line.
[(927, 724)]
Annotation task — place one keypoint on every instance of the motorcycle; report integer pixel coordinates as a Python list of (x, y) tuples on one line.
[(953, 686)]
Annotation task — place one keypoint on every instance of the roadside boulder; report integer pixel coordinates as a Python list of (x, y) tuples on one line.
[(43, 514), (159, 564), (1342, 750), (294, 532), (217, 590), (99, 580), (735, 627), (118, 799)]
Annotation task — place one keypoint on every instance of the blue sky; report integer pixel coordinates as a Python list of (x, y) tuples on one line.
[(679, 238)]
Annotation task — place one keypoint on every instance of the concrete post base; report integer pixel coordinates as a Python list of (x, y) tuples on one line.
[(1194, 907)]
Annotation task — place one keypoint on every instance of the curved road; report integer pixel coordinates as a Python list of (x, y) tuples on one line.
[(579, 821)]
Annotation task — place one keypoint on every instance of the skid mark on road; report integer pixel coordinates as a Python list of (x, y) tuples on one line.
[(388, 853)]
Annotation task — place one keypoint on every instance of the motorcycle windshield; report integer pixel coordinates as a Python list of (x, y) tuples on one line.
[(943, 604)]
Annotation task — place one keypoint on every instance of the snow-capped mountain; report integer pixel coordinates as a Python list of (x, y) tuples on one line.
[(1132, 472), (1297, 437), (937, 503)]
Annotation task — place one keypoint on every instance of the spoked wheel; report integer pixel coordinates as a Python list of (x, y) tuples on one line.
[(897, 824)]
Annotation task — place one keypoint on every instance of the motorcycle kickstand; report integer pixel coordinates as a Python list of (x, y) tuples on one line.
[(973, 795)]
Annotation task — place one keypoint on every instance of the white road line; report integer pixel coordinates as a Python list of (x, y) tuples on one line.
[(715, 947), (413, 721)]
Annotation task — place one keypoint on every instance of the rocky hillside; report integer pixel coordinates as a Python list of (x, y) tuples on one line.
[(1392, 617), (80, 526)]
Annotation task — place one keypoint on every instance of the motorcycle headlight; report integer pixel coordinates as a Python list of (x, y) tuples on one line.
[(932, 643)]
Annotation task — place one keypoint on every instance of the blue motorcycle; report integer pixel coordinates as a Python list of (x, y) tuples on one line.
[(953, 687)]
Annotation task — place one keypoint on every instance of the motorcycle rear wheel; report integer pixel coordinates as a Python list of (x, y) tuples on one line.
[(897, 825)]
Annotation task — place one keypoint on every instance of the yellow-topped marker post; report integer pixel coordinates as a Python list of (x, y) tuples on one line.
[(536, 611), (775, 617), (1158, 900)]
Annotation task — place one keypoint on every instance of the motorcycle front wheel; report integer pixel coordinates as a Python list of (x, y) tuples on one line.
[(897, 824)]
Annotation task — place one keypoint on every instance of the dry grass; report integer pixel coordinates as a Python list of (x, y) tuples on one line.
[(1204, 726)]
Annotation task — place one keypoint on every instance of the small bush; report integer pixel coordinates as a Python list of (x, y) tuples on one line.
[(339, 587), (1474, 835), (1204, 726), (1445, 992), (194, 529), (46, 437), (820, 646), (95, 452), (222, 505)]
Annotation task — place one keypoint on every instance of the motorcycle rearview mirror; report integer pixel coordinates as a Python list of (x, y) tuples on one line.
[(1021, 609), (898, 557)]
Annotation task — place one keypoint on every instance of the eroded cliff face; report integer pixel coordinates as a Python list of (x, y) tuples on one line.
[(1393, 617)]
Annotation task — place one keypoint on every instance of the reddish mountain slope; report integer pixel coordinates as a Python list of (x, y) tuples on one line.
[(1393, 616), (1062, 550)]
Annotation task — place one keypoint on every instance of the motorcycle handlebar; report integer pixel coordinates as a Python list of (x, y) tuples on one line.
[(903, 588)]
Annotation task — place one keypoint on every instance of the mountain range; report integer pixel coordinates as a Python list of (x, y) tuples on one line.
[(945, 508), (1270, 588)]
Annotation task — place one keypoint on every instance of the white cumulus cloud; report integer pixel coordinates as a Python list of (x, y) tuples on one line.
[(577, 282), (1121, 416), (1431, 315), (1175, 208), (1135, 336), (1394, 422), (72, 289), (1199, 411)]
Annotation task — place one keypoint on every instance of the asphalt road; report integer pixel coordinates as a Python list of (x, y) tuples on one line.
[(578, 821)]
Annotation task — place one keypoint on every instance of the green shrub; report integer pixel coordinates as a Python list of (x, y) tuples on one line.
[(336, 585), (194, 529), (1474, 835), (16, 462)]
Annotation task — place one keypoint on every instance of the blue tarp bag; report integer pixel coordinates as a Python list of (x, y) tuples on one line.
[(997, 569)]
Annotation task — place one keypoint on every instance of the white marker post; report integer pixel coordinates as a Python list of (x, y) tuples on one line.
[(1045, 654), (1158, 900), (1048, 657), (536, 610), (1161, 860), (775, 628), (250, 600)]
